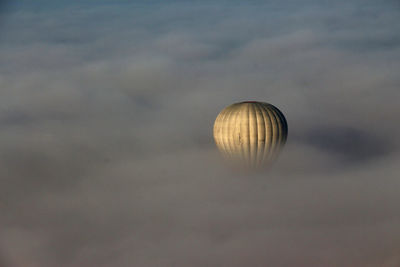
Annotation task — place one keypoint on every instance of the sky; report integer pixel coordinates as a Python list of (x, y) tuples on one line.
[(106, 149)]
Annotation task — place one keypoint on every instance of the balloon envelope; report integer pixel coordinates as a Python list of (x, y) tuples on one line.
[(250, 133)]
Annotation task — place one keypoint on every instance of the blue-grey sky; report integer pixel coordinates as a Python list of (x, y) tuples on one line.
[(106, 149)]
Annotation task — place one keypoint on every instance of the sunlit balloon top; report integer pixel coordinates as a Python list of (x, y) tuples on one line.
[(250, 133)]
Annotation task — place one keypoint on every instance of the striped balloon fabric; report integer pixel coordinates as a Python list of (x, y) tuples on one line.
[(250, 133)]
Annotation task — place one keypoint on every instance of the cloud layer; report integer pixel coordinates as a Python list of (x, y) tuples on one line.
[(106, 150)]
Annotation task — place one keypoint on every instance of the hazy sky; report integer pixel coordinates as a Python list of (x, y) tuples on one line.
[(106, 149)]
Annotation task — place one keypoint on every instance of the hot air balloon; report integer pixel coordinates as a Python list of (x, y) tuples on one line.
[(250, 133)]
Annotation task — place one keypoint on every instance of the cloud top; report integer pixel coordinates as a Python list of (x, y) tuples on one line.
[(106, 149)]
